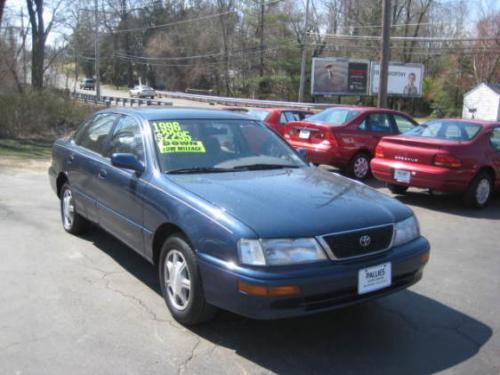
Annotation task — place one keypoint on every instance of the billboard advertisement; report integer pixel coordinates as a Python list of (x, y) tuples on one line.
[(404, 79), (339, 76)]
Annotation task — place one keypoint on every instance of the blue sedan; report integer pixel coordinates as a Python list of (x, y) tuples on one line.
[(231, 215)]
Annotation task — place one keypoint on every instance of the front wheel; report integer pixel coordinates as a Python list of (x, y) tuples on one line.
[(180, 282), (72, 221), (397, 189), (359, 168), (479, 191)]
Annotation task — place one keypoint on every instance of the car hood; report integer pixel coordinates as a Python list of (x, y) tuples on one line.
[(295, 202)]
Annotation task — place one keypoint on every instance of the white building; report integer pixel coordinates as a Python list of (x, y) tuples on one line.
[(483, 102)]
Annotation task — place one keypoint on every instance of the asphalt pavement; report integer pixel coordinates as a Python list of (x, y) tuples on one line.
[(90, 305)]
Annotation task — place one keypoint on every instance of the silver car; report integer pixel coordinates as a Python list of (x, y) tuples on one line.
[(142, 91)]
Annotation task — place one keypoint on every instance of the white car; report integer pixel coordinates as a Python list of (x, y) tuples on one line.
[(142, 91)]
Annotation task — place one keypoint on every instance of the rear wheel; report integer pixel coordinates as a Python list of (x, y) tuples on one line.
[(359, 168), (397, 189), (181, 283), (72, 221), (479, 191)]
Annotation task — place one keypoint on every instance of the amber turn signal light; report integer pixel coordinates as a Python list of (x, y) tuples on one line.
[(425, 258), (267, 291)]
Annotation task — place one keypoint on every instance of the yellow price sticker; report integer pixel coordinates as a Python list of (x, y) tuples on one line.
[(171, 138)]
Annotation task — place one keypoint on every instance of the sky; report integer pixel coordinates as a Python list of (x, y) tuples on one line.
[(476, 8)]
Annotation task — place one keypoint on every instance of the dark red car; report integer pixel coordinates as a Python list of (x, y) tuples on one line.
[(277, 118), (346, 137), (443, 155)]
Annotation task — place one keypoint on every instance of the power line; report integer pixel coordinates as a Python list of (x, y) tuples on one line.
[(404, 38), (173, 23)]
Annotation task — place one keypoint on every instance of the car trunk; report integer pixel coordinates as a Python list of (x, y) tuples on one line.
[(414, 149), (309, 132)]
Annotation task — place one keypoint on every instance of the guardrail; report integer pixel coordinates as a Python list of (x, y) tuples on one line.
[(244, 102), (118, 101)]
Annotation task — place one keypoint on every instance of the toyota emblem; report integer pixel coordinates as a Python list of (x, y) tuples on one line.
[(365, 241)]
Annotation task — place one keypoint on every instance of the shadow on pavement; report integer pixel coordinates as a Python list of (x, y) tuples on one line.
[(446, 203), (406, 333)]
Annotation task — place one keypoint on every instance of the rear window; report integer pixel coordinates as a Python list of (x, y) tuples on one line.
[(336, 116), (445, 129), (258, 114)]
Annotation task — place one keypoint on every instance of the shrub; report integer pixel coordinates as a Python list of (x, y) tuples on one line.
[(45, 114)]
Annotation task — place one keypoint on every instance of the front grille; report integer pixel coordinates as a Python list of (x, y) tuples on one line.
[(351, 244)]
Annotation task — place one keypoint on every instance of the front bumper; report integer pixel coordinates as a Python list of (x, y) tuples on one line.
[(422, 176), (323, 287)]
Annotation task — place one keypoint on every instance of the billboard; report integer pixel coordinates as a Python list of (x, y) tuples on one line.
[(403, 80), (339, 76)]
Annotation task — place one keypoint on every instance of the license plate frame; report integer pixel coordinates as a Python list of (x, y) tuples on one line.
[(304, 134), (401, 175), (374, 278)]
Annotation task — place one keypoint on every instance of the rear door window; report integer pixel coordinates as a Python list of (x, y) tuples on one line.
[(495, 139), (377, 122), (403, 124)]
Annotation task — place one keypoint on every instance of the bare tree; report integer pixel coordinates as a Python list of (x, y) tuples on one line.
[(2, 6), (39, 34)]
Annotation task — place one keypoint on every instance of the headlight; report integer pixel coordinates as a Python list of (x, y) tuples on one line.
[(406, 231), (278, 252)]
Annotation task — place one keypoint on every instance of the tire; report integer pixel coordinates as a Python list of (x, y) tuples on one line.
[(479, 191), (184, 293), (359, 167), (72, 221), (397, 189)]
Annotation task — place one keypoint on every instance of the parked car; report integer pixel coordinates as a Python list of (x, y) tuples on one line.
[(235, 109), (461, 156), (87, 84), (190, 191), (142, 91), (345, 137), (277, 118)]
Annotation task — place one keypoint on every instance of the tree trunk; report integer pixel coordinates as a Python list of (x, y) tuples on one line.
[(37, 61)]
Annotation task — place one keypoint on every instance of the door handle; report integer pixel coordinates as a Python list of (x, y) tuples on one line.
[(102, 174)]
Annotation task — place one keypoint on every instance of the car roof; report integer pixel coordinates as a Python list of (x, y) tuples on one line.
[(177, 113), (473, 121)]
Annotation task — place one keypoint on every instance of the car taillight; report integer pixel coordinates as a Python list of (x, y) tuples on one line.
[(332, 139), (379, 152), (447, 160)]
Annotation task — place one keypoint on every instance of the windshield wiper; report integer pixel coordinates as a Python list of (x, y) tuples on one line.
[(198, 170), (253, 167)]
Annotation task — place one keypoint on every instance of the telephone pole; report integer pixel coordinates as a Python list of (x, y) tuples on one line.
[(385, 54), (97, 54), (304, 55)]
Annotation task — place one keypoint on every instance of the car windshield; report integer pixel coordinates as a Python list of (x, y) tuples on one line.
[(206, 146), (446, 129), (336, 116), (258, 114)]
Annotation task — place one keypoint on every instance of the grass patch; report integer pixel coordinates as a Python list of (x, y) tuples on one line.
[(26, 149)]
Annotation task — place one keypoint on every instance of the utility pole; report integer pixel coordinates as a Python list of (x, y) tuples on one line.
[(97, 54), (304, 55), (385, 54), (262, 11)]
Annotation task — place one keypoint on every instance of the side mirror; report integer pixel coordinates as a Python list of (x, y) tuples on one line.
[(127, 161), (303, 153)]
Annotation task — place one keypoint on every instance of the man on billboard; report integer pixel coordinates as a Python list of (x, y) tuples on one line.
[(410, 88)]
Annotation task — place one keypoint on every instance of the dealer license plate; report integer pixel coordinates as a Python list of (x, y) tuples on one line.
[(374, 278), (304, 134), (402, 176)]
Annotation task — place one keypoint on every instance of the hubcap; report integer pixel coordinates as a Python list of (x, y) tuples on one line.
[(177, 280), (483, 191), (361, 167), (68, 209)]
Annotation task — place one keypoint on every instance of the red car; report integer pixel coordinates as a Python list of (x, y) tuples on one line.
[(443, 155), (277, 118), (346, 137)]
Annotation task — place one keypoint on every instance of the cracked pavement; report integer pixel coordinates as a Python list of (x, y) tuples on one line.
[(80, 305)]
